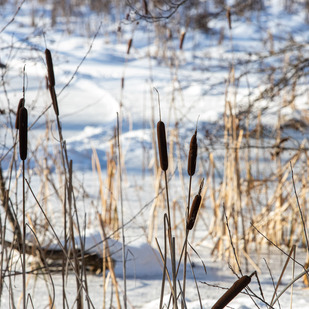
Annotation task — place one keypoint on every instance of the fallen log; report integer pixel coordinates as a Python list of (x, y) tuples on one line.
[(54, 256)]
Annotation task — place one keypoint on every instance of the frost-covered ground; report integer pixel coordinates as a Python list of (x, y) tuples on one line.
[(90, 68)]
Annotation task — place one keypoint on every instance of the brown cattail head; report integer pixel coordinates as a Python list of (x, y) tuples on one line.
[(228, 16), (50, 67), (193, 212), (54, 99), (182, 38), (192, 155), (162, 145), (23, 133), (232, 292), (145, 4), (195, 208), (20, 105), (129, 46)]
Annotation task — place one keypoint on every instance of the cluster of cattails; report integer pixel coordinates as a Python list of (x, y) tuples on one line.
[(191, 171), (241, 283), (21, 124), (51, 80), (232, 292), (161, 135)]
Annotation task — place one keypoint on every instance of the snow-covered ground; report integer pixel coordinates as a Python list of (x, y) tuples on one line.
[(95, 80)]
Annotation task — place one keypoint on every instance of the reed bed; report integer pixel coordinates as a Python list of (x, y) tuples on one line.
[(239, 192), (253, 199), (246, 206)]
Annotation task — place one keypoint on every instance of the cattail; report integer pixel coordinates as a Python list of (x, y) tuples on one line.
[(54, 99), (232, 292), (23, 133), (182, 38), (195, 208), (228, 16), (20, 105), (50, 67), (129, 46), (192, 155), (162, 145), (145, 4)]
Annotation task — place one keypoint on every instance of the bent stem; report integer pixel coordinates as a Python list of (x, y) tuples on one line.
[(168, 205), (164, 263), (172, 244)]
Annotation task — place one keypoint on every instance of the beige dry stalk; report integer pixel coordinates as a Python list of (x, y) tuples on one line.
[(107, 189), (110, 262)]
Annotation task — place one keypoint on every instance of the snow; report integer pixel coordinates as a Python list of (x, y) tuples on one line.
[(89, 72)]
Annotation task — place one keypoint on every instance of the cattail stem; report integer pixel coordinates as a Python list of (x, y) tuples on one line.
[(171, 243), (167, 204), (122, 217), (185, 266), (173, 255), (24, 239), (164, 264), (186, 243)]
